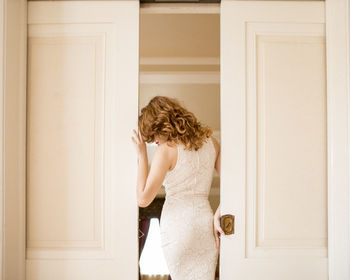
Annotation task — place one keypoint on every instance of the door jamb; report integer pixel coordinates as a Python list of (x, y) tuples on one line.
[(338, 126), (13, 69)]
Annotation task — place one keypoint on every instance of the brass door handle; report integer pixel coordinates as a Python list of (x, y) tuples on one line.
[(227, 223)]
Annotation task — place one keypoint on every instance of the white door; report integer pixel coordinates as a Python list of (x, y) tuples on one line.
[(274, 140), (82, 104)]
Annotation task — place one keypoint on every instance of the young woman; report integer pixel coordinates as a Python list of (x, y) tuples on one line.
[(183, 162)]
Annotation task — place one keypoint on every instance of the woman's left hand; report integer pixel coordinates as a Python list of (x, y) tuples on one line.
[(139, 145), (218, 232)]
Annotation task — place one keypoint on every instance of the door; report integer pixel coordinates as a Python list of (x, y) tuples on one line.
[(82, 105), (274, 138)]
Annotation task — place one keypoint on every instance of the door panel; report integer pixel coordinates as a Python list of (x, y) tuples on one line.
[(274, 168), (82, 60)]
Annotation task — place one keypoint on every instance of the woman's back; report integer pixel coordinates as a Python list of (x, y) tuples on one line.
[(193, 172), (186, 223)]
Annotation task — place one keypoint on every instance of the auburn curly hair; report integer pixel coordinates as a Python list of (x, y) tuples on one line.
[(164, 117)]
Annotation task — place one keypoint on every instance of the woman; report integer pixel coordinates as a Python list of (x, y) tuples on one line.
[(183, 162)]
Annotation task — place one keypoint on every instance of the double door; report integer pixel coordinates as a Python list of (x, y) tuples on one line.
[(82, 103)]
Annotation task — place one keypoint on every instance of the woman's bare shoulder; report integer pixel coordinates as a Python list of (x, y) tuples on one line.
[(169, 150)]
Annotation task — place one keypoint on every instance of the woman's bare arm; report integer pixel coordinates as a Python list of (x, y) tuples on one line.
[(148, 185), (216, 220), (217, 166)]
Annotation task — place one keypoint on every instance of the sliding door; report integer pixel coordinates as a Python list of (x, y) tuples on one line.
[(82, 105), (274, 138)]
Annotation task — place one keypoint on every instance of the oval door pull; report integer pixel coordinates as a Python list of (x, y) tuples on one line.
[(227, 223)]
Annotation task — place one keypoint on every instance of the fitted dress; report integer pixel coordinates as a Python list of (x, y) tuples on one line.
[(186, 222)]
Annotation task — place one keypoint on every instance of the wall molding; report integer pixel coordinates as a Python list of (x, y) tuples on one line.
[(179, 8), (177, 77), (180, 60)]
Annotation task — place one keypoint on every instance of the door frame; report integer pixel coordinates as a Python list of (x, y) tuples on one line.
[(338, 127), (13, 30), (13, 56)]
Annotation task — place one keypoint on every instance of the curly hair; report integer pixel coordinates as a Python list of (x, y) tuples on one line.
[(164, 117)]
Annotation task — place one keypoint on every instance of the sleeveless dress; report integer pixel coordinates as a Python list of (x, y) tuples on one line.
[(186, 222)]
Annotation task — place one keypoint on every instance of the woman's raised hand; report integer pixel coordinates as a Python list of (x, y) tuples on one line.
[(139, 145)]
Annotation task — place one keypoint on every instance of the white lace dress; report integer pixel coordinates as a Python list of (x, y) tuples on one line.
[(186, 223)]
